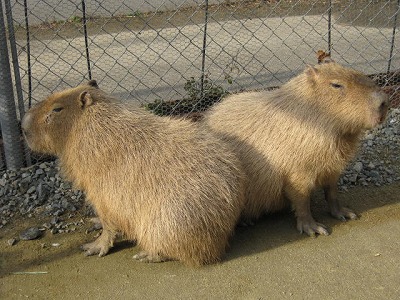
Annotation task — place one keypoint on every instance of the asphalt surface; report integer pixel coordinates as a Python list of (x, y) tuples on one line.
[(154, 64)]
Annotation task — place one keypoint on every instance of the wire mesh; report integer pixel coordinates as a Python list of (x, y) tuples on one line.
[(177, 57)]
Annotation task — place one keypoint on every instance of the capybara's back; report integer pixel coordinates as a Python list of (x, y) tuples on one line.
[(168, 184), (299, 136)]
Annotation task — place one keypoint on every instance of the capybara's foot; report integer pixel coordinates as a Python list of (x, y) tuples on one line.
[(101, 245), (343, 214), (143, 256), (95, 248), (310, 227)]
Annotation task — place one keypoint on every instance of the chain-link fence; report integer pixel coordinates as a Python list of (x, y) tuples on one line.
[(181, 56)]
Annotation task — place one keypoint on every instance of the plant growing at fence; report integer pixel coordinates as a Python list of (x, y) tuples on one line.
[(75, 19), (136, 13), (201, 94)]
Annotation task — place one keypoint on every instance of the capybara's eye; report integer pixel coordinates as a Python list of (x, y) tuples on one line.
[(58, 109), (336, 85)]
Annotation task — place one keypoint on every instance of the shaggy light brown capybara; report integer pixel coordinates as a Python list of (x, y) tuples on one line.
[(299, 137), (170, 185)]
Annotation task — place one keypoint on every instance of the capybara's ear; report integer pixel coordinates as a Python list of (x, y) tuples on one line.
[(85, 99), (93, 83), (311, 71)]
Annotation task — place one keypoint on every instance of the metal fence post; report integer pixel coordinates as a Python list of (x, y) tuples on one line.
[(84, 22), (393, 36), (203, 52), (17, 76), (8, 115), (28, 54), (330, 27), (14, 55), (1, 161)]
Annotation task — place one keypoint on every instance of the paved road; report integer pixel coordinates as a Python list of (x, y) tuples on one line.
[(156, 63), (55, 10)]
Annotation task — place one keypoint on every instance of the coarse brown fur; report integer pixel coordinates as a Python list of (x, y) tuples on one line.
[(299, 137), (168, 184)]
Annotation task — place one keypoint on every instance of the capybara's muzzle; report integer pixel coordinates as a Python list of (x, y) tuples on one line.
[(383, 107), (25, 125)]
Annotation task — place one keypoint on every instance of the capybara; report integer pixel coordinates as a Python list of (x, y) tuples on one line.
[(299, 137), (173, 187)]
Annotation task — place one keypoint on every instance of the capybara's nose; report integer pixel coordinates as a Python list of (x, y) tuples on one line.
[(25, 123), (384, 106), (384, 98), (381, 99)]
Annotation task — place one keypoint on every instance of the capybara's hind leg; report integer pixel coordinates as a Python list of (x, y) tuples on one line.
[(337, 211), (144, 256), (102, 244), (300, 199)]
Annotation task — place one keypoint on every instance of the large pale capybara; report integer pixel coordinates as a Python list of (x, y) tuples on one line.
[(170, 185), (299, 137)]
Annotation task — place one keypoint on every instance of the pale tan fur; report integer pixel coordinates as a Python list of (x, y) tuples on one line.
[(298, 137), (168, 184)]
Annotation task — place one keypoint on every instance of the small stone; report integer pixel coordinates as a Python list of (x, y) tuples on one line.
[(375, 174), (353, 178), (358, 166), (371, 166), (23, 187), (64, 203), (390, 172), (54, 220), (31, 190), (12, 242), (42, 193), (58, 213), (39, 172), (30, 234), (369, 136), (47, 225), (56, 244), (23, 175)]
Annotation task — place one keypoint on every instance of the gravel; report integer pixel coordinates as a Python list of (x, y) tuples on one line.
[(377, 162), (39, 189)]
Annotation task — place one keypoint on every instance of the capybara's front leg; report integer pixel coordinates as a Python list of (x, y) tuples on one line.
[(337, 211), (102, 244), (300, 199)]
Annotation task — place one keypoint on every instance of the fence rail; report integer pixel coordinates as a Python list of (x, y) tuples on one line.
[(179, 56)]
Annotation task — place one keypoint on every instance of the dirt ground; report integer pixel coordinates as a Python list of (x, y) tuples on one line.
[(359, 260)]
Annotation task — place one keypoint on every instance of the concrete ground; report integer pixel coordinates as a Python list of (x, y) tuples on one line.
[(271, 260)]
